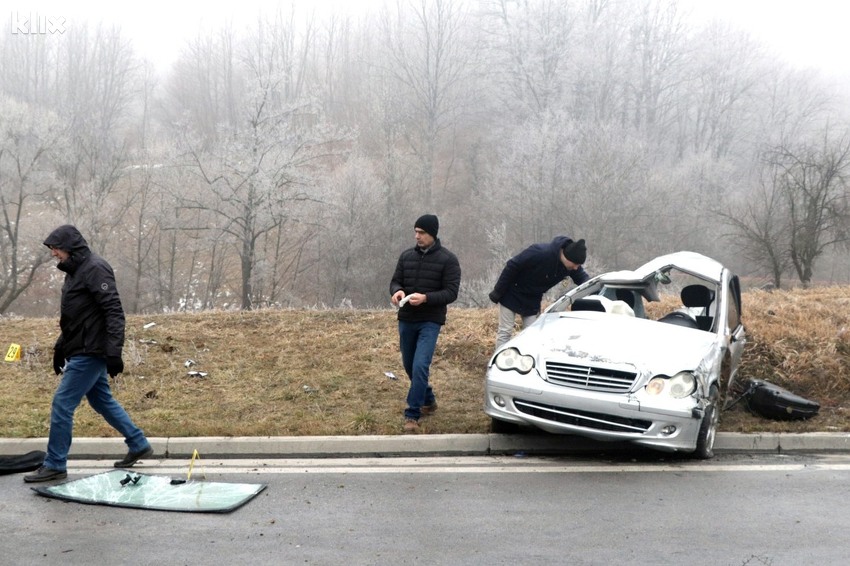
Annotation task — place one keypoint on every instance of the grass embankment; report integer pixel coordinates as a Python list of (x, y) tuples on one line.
[(299, 373)]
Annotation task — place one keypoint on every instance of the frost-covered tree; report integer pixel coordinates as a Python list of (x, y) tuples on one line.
[(258, 171), (27, 135)]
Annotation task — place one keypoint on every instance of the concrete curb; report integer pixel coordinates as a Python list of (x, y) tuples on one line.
[(411, 445)]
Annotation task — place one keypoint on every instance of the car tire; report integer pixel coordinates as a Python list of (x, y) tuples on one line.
[(503, 427), (708, 426)]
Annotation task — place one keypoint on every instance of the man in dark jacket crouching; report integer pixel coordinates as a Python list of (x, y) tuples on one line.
[(89, 347)]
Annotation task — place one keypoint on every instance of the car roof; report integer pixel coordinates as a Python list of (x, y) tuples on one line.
[(691, 262)]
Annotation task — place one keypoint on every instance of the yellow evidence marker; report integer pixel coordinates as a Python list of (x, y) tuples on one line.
[(14, 353)]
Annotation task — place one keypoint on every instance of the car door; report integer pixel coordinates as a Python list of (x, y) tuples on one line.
[(734, 321)]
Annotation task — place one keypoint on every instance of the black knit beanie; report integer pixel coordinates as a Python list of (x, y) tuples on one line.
[(428, 223), (576, 252)]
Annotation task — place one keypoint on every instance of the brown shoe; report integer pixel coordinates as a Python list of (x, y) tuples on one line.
[(428, 410), (411, 425)]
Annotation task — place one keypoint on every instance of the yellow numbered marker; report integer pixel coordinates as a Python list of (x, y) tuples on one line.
[(14, 353), (195, 456)]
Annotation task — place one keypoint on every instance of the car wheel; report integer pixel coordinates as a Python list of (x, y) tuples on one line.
[(503, 427), (708, 426)]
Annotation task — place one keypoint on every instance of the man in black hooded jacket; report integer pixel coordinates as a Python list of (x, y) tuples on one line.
[(89, 347)]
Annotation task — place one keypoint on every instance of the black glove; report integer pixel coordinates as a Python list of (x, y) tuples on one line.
[(58, 360), (494, 296), (114, 365)]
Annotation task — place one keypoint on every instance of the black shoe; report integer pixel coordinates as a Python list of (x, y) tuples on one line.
[(133, 457), (45, 474)]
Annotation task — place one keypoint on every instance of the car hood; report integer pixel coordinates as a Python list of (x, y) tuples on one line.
[(651, 347)]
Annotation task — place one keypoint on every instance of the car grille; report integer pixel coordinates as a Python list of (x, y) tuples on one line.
[(586, 419), (589, 377)]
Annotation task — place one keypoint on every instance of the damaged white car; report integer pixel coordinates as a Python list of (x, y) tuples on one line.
[(595, 364)]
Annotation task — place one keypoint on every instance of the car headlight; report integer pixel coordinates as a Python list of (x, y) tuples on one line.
[(678, 387), (511, 359)]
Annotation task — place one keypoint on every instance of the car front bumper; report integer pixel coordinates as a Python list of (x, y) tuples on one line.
[(664, 424)]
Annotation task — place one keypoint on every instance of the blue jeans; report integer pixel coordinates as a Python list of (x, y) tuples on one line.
[(417, 341), (86, 375)]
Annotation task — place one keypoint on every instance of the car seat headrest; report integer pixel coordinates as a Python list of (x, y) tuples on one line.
[(697, 296)]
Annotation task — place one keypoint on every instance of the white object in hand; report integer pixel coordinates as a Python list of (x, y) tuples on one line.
[(402, 302)]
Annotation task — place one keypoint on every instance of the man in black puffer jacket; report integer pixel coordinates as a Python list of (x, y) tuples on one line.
[(426, 279), (89, 347)]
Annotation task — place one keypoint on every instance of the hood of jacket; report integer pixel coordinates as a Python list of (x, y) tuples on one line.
[(69, 239)]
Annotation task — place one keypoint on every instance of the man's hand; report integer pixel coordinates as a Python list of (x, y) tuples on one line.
[(417, 299), (114, 365), (58, 360)]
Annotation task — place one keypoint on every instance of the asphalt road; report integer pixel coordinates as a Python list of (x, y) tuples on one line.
[(616, 508)]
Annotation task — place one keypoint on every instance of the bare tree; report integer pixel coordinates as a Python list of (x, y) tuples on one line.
[(788, 105), (605, 119), (759, 224), (657, 48), (602, 62), (722, 79), (532, 183), (427, 58), (202, 92), (98, 76), (533, 47), (355, 264), (813, 180), (27, 134), (143, 223), (28, 67), (258, 172), (800, 208)]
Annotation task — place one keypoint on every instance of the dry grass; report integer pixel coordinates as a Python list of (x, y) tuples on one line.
[(799, 340), (299, 373)]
